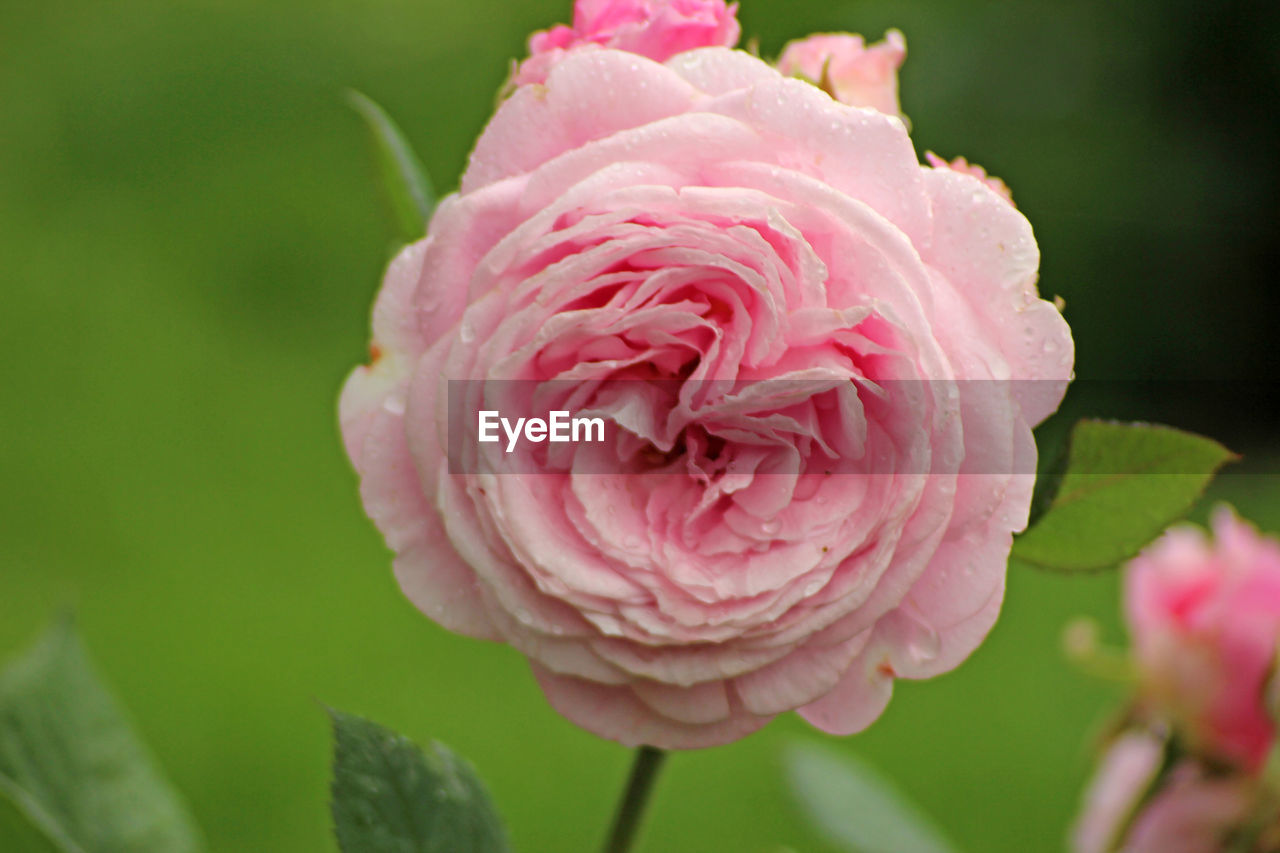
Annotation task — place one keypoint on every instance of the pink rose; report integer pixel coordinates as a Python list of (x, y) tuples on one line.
[(962, 165), (801, 341), (1190, 811), (858, 75), (658, 29), (1205, 620)]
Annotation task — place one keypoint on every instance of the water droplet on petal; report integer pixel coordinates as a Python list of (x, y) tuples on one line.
[(922, 641)]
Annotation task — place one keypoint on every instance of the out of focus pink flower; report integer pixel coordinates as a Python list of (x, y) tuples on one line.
[(963, 166), (1194, 812), (1205, 620), (857, 74), (657, 29), (1124, 774), (1191, 809)]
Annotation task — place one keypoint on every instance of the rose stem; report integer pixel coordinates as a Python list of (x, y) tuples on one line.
[(644, 770)]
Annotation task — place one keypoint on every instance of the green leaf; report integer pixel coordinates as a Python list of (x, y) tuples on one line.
[(71, 769), (405, 181), (391, 797), (1122, 485), (20, 832), (1052, 446), (856, 807)]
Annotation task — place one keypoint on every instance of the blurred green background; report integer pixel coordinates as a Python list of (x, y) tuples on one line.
[(190, 238)]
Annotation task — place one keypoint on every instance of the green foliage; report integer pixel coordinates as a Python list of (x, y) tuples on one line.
[(20, 833), (1120, 486), (855, 806), (405, 181), (391, 797), (73, 777)]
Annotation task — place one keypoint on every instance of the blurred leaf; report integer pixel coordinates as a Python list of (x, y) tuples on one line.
[(71, 768), (403, 178), (1122, 485), (856, 807), (20, 833), (391, 797)]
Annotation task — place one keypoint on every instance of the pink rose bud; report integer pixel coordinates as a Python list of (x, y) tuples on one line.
[(964, 167), (1195, 811), (1130, 806), (817, 364), (855, 74), (1205, 620), (1125, 773), (658, 29)]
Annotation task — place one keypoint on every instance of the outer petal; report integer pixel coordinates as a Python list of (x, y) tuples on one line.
[(814, 134), (588, 96), (618, 714), (985, 249), (960, 164), (802, 677), (960, 593), (717, 72), (855, 702), (432, 574), (701, 704), (395, 344), (463, 230)]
